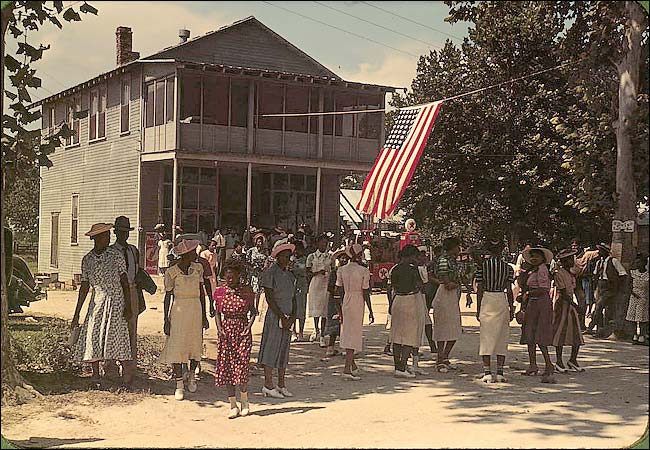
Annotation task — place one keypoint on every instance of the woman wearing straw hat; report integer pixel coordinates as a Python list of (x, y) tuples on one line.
[(279, 285), (105, 332), (537, 327), (186, 319), (353, 286), (566, 314)]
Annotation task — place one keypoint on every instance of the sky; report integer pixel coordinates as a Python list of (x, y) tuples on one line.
[(85, 49)]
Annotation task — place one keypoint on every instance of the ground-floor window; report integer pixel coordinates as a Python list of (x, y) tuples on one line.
[(54, 240)]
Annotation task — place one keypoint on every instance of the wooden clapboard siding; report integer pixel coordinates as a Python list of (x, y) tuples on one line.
[(105, 175), (247, 44)]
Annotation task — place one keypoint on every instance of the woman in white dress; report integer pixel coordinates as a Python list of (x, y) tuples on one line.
[(186, 319), (319, 265), (164, 246), (353, 283)]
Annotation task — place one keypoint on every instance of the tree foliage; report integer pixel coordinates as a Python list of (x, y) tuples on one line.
[(23, 149), (494, 161)]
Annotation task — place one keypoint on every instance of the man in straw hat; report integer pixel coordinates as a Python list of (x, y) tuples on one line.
[(353, 286), (611, 277), (122, 228), (279, 285), (105, 332), (495, 309)]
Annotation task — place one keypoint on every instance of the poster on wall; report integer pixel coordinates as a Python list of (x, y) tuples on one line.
[(151, 253)]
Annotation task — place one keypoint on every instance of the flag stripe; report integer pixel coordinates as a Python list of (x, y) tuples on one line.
[(389, 170), (406, 159), (404, 181), (369, 183)]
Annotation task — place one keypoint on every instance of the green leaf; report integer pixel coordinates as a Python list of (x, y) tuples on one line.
[(70, 15), (12, 63), (88, 9), (11, 95)]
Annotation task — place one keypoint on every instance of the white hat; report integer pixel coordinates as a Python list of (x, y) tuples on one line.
[(186, 246)]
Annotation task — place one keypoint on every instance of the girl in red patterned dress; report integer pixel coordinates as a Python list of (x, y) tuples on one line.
[(235, 307)]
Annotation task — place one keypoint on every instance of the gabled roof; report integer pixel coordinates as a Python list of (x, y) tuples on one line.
[(233, 59), (246, 43)]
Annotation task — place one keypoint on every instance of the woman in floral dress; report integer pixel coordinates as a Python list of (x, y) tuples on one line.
[(104, 334), (299, 269), (637, 311), (235, 316)]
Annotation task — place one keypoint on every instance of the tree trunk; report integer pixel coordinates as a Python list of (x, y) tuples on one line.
[(626, 210), (13, 385)]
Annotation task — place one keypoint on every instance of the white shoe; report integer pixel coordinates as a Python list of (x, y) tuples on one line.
[(351, 376), (234, 412), (500, 379), (322, 343), (245, 412), (313, 337), (191, 384), (179, 393), (284, 391), (356, 372), (405, 374), (487, 378), (275, 393)]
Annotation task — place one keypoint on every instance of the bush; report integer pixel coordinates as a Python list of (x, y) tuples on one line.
[(42, 345)]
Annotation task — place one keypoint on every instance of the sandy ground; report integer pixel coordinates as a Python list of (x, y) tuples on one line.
[(607, 406)]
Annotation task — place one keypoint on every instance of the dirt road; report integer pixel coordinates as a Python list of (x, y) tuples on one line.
[(607, 406)]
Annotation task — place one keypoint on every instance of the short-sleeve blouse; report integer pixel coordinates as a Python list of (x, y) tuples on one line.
[(539, 278)]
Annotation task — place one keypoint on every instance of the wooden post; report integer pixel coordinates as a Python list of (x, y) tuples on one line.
[(321, 108), (175, 199), (250, 131), (249, 199), (317, 216)]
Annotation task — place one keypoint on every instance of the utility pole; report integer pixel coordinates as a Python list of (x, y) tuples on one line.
[(626, 208)]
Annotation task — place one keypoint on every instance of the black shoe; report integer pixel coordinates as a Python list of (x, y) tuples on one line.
[(387, 350)]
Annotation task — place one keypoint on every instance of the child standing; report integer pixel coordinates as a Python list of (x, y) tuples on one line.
[(566, 314), (235, 306), (333, 328)]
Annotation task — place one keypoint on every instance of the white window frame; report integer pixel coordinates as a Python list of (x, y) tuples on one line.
[(74, 240), (51, 112), (126, 80), (70, 120), (55, 264), (98, 90), (165, 120)]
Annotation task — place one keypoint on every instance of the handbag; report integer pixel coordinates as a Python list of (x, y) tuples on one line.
[(74, 336), (144, 281)]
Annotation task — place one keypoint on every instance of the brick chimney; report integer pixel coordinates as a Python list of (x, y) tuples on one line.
[(124, 43)]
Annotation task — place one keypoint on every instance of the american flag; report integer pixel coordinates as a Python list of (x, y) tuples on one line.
[(397, 160)]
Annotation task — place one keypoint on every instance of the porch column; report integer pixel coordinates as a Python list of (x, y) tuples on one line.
[(175, 199), (321, 104), (249, 200), (317, 218), (250, 132)]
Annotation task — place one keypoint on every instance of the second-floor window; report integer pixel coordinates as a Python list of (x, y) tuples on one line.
[(97, 120), (73, 121), (159, 102), (125, 101)]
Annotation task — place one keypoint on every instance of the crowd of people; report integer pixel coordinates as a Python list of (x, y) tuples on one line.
[(300, 275)]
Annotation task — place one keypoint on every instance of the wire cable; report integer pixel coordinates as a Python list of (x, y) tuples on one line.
[(465, 94), (412, 21), (341, 29), (436, 46)]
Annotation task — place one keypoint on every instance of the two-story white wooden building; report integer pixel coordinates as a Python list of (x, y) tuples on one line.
[(177, 137)]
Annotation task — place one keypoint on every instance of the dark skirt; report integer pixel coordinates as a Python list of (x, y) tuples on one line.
[(566, 325), (538, 321), (333, 326)]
